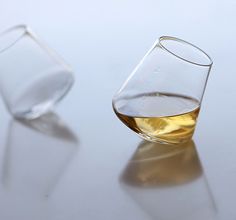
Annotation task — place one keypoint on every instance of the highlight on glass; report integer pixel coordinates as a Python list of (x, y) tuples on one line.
[(33, 78), (161, 99)]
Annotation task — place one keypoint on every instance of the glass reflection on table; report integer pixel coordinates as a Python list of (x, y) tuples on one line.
[(168, 182), (37, 153)]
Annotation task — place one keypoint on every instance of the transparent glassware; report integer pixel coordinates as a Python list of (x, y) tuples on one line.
[(162, 97), (32, 76)]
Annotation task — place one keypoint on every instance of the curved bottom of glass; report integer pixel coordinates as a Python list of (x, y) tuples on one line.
[(35, 112), (161, 141), (41, 95)]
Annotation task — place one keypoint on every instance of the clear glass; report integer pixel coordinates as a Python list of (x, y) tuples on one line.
[(32, 76), (161, 99)]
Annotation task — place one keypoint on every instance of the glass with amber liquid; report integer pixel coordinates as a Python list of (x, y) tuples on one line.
[(161, 99)]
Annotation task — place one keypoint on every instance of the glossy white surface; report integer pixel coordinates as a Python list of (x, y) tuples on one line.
[(75, 172)]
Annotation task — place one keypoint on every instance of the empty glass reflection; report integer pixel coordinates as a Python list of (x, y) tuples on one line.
[(37, 154)]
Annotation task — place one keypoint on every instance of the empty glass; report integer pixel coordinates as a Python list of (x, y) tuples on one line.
[(162, 97), (32, 76)]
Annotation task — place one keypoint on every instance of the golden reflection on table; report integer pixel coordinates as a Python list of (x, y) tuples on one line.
[(168, 182), (163, 165)]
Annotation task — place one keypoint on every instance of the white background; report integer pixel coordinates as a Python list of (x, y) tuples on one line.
[(103, 41)]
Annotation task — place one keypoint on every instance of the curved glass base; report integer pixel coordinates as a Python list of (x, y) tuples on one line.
[(161, 141), (41, 95)]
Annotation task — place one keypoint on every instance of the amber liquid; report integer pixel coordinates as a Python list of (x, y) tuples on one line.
[(159, 117)]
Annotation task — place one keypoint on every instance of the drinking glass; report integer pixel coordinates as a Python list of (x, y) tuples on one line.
[(162, 97), (32, 76)]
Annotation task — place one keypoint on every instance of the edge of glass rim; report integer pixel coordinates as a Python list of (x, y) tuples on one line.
[(24, 28), (163, 38)]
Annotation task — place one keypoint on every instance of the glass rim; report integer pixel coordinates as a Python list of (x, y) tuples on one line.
[(163, 38), (24, 29)]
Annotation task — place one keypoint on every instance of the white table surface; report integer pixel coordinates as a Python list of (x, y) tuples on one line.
[(82, 170)]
